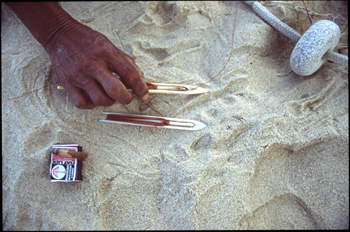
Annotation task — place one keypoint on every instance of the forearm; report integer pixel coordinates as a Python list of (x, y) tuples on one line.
[(47, 21)]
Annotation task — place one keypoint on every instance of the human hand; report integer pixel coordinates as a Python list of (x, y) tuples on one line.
[(84, 60)]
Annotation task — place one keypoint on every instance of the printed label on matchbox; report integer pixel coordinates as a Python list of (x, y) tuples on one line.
[(58, 172), (65, 169)]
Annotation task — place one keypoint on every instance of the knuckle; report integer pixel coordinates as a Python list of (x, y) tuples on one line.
[(85, 81), (83, 105), (122, 96), (133, 77), (125, 100), (82, 102), (116, 90), (129, 58), (103, 101)]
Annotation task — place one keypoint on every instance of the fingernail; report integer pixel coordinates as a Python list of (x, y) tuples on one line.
[(144, 98)]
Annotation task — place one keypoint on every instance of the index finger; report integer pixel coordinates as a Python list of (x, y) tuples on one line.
[(127, 70), (112, 85)]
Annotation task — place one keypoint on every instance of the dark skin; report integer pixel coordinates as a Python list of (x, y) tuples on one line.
[(83, 59)]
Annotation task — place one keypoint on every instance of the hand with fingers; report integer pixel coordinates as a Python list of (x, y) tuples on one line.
[(84, 62), (83, 59)]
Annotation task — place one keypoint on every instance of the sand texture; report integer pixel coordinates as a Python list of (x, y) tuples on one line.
[(275, 154)]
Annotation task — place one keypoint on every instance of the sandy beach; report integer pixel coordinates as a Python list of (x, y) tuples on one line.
[(274, 155)]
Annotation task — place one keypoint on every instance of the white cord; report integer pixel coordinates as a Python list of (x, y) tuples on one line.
[(338, 58), (274, 21)]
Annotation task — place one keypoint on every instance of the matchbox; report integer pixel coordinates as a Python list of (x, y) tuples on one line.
[(65, 169)]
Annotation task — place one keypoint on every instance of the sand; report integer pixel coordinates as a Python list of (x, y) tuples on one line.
[(275, 154)]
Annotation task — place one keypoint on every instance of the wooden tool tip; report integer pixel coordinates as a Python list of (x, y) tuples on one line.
[(78, 155)]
